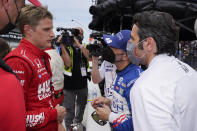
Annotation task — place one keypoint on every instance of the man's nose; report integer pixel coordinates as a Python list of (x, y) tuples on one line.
[(52, 34)]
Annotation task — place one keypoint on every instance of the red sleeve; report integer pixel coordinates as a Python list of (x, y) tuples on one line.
[(12, 103), (40, 118), (37, 118)]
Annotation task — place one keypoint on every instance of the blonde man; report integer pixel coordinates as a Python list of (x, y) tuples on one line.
[(31, 64), (10, 85)]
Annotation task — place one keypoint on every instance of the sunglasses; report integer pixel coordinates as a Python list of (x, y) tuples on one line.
[(97, 120)]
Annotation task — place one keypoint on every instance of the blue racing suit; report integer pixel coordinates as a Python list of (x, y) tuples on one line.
[(120, 117)]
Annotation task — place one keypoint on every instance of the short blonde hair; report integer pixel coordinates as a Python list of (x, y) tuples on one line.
[(31, 15)]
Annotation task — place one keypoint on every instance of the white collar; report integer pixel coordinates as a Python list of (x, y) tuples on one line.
[(156, 59)]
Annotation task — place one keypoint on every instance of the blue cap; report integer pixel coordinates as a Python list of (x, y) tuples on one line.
[(119, 40)]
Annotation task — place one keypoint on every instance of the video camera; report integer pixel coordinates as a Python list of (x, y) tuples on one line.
[(97, 35), (98, 45), (67, 36)]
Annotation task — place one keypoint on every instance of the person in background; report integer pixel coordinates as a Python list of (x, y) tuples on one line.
[(75, 81), (31, 64), (57, 63), (119, 115), (163, 98), (11, 96)]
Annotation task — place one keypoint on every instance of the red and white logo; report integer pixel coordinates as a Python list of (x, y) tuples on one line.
[(33, 120), (38, 63), (44, 90)]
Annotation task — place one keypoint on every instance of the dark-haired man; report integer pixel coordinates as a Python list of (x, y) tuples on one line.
[(162, 99)]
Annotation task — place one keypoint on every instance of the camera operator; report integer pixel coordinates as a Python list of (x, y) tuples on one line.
[(57, 62), (101, 69), (64, 54), (75, 81), (106, 72)]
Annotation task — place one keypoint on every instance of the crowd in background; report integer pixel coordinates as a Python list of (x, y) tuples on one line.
[(187, 52)]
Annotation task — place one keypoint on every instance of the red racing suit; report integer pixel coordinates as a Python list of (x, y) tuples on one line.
[(32, 67), (12, 114)]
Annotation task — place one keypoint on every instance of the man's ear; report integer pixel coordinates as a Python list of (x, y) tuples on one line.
[(27, 29), (150, 44), (5, 4)]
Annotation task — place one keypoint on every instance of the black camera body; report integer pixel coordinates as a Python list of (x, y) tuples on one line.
[(96, 49), (68, 35), (97, 35)]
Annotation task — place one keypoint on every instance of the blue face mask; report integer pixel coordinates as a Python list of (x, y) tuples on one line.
[(131, 53)]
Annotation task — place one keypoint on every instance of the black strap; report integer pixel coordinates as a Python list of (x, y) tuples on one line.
[(5, 66), (58, 95)]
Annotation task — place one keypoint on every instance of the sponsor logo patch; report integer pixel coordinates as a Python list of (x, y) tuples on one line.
[(33, 120), (120, 80), (117, 105), (131, 82), (108, 70), (123, 84), (44, 90), (121, 91), (19, 72), (40, 70), (38, 63)]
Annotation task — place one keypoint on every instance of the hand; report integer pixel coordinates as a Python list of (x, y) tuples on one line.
[(59, 38), (99, 100), (76, 43), (61, 112), (103, 112), (61, 127)]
